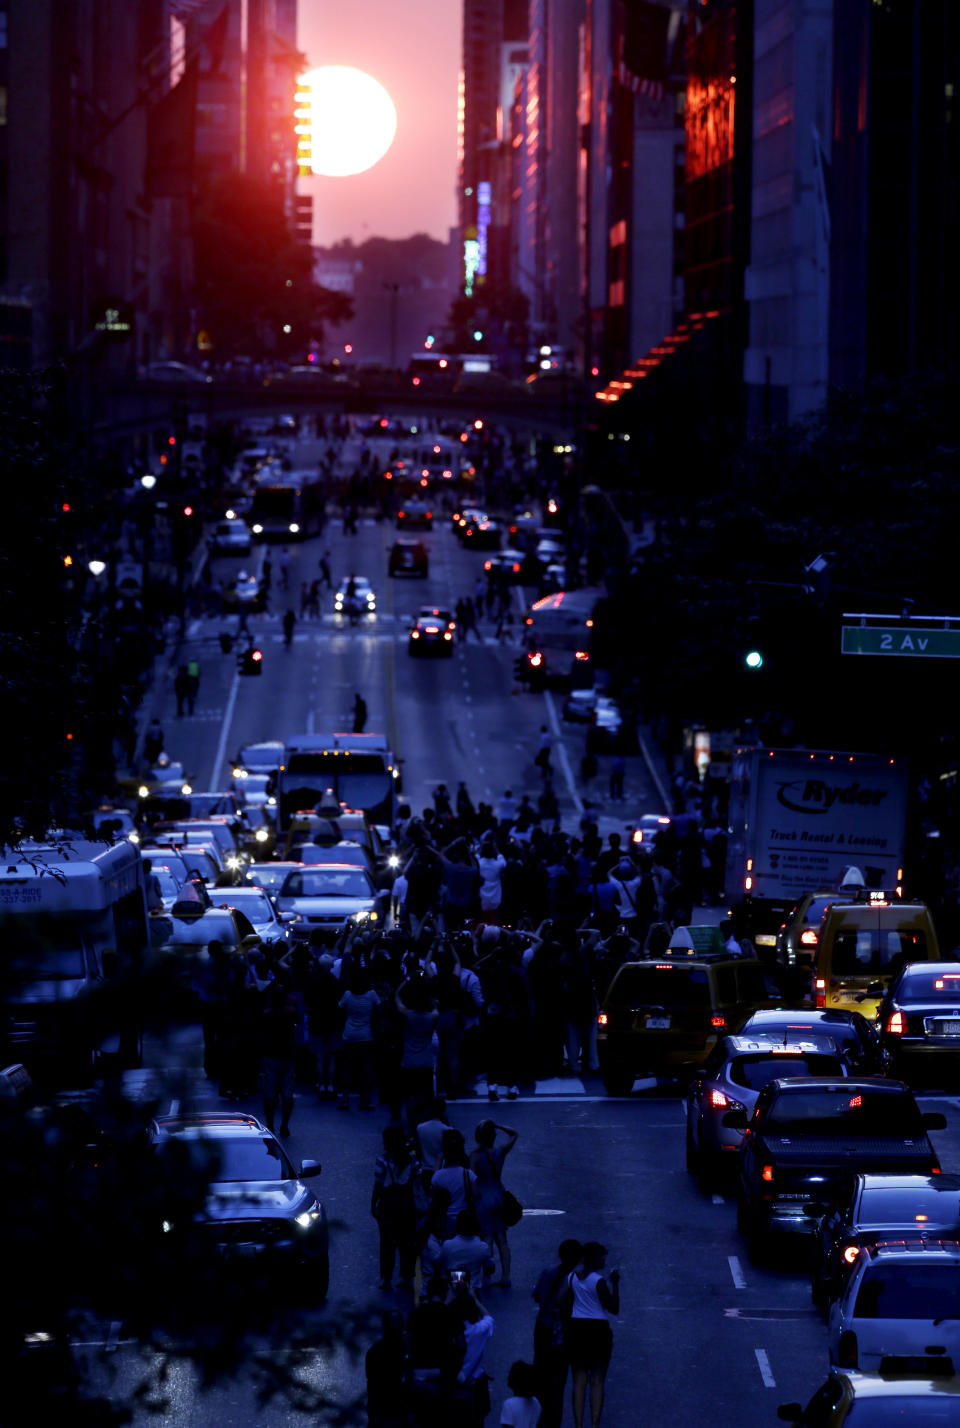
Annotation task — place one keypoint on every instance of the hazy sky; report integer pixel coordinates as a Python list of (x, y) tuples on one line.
[(413, 48)]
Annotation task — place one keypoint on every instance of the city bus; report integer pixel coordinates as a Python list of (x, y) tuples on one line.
[(291, 509)]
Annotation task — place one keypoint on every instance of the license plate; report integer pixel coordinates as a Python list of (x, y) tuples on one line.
[(241, 1251), (658, 1023), (948, 1028), (765, 939)]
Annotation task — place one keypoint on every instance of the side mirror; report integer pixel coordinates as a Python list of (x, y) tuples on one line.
[(735, 1120), (934, 1120), (308, 1167), (790, 1412)]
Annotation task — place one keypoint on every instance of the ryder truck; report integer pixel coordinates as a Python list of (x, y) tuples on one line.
[(798, 818)]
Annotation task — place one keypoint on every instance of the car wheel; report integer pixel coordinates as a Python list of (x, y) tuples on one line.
[(617, 1081)]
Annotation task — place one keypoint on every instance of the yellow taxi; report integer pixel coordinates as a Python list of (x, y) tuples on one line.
[(848, 1400), (863, 944)]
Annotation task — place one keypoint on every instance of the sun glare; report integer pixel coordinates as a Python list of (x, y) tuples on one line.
[(352, 120)]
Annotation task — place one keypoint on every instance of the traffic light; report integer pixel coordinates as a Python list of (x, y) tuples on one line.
[(250, 661)]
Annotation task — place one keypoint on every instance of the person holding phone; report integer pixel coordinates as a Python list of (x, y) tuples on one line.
[(596, 1297)]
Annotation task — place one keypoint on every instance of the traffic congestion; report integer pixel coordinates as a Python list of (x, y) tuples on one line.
[(396, 855)]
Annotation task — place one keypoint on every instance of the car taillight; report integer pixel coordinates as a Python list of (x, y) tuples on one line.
[(895, 1025), (820, 993), (850, 1254), (718, 1100), (847, 1352), (718, 1021), (767, 1173), (602, 1019), (808, 938)]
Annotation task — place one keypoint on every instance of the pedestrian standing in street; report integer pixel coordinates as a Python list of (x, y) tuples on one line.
[(358, 1003), (595, 1298), (181, 687), (278, 1036), (325, 570), (486, 1162), (313, 607), (453, 1186), (284, 568), (359, 713), (388, 1376), (418, 1061), (289, 623), (522, 1408), (304, 600), (478, 1329), (266, 573), (542, 760), (153, 741), (392, 1206), (551, 1351)]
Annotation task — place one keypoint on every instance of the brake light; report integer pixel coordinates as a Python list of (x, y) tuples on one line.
[(850, 1254), (895, 1025), (820, 993), (767, 1173), (718, 1100), (663, 966), (718, 1021), (602, 1019), (748, 884), (808, 938), (847, 1355), (536, 660)]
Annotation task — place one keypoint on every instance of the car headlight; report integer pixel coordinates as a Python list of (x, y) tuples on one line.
[(257, 529), (271, 803), (166, 1226), (309, 1217), (133, 837), (261, 835), (239, 773), (393, 861), (233, 861), (143, 791), (185, 789)]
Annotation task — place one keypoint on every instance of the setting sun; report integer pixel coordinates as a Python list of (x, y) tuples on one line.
[(351, 120)]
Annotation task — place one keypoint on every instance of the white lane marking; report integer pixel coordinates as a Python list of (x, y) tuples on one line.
[(561, 750), (766, 1372), (225, 731), (736, 1273), (527, 1211), (718, 1199)]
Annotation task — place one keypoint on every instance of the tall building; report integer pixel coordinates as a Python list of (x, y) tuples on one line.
[(478, 139), (893, 188), (91, 267), (787, 284)]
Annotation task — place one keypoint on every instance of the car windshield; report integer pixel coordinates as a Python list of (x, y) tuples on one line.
[(754, 1072), (909, 1291), (324, 882), (332, 761), (267, 875), (312, 853), (931, 986), (169, 862), (237, 1158), (885, 1205), (261, 754), (814, 913), (168, 883), (661, 986), (855, 1112), (871, 949), (254, 903)]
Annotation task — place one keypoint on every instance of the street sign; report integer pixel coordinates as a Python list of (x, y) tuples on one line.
[(919, 642)]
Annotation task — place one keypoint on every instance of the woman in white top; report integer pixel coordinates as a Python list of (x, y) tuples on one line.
[(491, 865), (589, 1335)]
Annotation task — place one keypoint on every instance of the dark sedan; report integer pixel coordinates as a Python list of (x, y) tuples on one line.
[(919, 1021)]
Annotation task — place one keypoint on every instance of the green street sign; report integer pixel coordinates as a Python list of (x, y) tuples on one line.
[(925, 643)]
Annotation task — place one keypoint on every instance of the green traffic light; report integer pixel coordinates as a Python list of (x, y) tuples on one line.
[(754, 659)]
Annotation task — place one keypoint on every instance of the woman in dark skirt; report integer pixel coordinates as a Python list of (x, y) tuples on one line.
[(589, 1335)]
